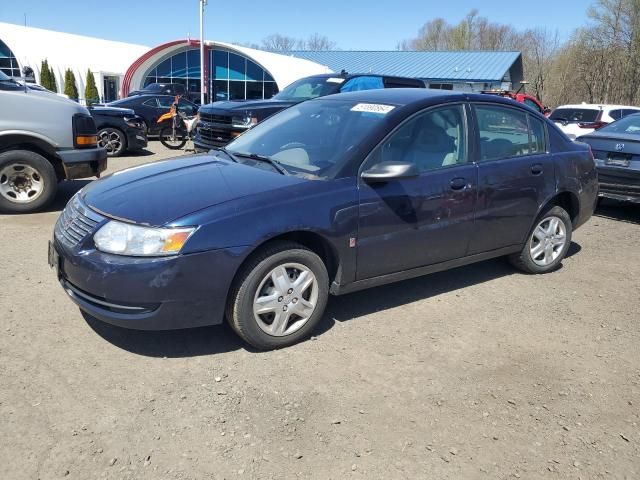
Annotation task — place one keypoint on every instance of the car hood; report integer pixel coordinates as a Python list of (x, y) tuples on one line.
[(158, 193), (246, 105)]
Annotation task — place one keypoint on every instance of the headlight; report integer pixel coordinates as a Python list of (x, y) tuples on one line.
[(133, 122), (246, 121), (126, 239)]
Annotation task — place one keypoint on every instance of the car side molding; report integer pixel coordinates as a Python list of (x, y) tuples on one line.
[(337, 289)]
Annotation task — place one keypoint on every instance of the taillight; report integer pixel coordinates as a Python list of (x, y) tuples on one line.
[(593, 125)]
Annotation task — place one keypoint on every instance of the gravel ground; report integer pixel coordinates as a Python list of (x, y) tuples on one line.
[(479, 372)]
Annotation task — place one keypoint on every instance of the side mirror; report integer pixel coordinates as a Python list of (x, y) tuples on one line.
[(386, 171)]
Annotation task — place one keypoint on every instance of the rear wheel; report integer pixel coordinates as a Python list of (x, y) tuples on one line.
[(173, 139), (547, 243), (279, 296), (28, 181), (113, 141)]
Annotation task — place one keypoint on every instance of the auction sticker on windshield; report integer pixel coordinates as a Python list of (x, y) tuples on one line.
[(372, 108), (335, 80)]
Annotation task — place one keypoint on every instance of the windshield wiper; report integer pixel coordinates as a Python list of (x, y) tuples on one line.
[(226, 152), (263, 158)]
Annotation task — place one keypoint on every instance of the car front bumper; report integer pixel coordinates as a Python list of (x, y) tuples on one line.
[(159, 293), (136, 139), (83, 163)]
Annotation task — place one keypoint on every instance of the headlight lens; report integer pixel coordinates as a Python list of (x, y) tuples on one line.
[(125, 239), (246, 121)]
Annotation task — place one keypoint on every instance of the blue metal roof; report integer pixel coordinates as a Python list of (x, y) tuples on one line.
[(457, 66)]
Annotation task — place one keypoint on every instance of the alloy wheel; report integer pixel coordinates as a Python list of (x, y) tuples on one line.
[(110, 141), (286, 299), (548, 241)]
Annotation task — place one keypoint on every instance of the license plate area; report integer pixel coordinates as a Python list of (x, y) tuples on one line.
[(617, 160)]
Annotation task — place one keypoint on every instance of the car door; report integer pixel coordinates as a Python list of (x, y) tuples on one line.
[(515, 175), (412, 222)]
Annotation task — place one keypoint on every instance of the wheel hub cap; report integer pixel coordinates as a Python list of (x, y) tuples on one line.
[(285, 299)]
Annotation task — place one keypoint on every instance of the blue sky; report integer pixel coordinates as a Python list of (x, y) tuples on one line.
[(352, 24)]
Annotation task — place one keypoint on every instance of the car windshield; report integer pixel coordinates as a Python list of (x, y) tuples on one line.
[(311, 87), (311, 139), (575, 115), (628, 124)]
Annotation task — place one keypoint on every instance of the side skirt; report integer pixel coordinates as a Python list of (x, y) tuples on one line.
[(337, 289)]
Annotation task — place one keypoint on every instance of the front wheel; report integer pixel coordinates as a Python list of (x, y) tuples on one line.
[(113, 141), (279, 296), (173, 139), (547, 244), (28, 181)]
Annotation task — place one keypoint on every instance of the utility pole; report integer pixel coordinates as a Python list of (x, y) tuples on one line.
[(203, 3)]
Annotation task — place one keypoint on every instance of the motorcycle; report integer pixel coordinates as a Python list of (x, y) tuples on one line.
[(181, 129)]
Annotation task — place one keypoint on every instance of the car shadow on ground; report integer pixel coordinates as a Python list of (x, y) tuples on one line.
[(355, 305), (221, 338), (620, 211), (66, 190), (136, 153)]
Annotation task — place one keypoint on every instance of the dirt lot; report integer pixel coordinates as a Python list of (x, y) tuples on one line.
[(479, 372)]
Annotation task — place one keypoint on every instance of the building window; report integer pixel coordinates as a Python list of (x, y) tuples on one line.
[(231, 76), (441, 86), (8, 63)]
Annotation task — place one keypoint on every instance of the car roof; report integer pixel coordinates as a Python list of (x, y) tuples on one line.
[(597, 106), (348, 76), (396, 96)]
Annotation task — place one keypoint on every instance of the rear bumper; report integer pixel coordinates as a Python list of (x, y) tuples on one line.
[(161, 293), (619, 183), (83, 163)]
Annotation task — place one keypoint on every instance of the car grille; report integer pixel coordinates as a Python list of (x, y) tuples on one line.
[(211, 118), (75, 223), (216, 136)]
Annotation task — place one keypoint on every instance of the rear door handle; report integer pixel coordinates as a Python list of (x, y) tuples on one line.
[(536, 168), (458, 183)]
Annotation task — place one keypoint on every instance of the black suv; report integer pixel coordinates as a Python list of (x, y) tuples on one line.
[(119, 130), (221, 122)]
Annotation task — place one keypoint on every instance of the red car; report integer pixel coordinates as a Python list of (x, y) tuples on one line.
[(525, 98)]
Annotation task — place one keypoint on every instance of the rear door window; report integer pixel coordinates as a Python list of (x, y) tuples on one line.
[(575, 115), (538, 135), (615, 114), (503, 131), (532, 104)]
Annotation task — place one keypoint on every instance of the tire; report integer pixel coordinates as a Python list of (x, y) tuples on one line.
[(114, 141), (274, 328), (552, 228), (28, 182), (175, 144)]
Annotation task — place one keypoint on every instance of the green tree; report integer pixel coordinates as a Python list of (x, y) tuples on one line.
[(90, 90), (70, 87), (45, 75), (54, 83)]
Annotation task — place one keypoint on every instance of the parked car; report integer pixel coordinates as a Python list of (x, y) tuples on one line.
[(151, 107), (332, 195), (44, 139), (119, 130), (616, 148), (529, 100), (582, 119), (172, 89), (221, 122)]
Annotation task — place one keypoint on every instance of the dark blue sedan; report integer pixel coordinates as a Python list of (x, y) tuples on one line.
[(333, 195)]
